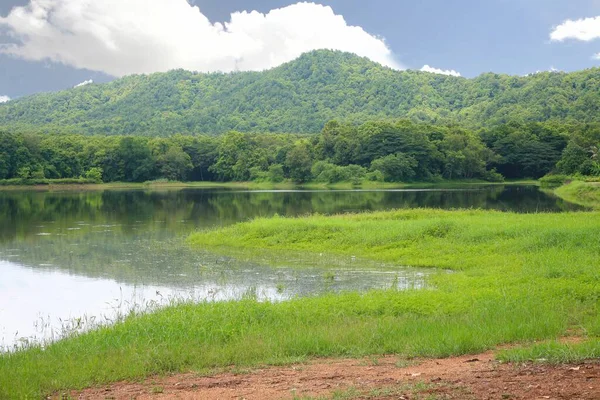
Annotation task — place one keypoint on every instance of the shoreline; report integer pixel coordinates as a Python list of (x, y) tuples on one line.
[(251, 185)]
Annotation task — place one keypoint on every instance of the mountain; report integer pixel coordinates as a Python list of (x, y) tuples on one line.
[(301, 96)]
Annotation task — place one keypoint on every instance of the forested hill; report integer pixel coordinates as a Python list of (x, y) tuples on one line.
[(301, 96)]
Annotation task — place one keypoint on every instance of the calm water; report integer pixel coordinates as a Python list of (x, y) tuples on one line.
[(65, 255)]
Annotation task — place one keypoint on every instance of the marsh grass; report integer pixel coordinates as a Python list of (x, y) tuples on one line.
[(543, 268), (517, 278), (48, 330)]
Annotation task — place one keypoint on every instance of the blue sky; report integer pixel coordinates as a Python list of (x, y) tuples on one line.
[(468, 36)]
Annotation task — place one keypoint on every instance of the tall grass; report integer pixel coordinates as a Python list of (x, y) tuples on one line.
[(516, 278)]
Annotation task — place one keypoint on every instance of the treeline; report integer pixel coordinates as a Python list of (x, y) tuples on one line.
[(301, 96), (400, 151)]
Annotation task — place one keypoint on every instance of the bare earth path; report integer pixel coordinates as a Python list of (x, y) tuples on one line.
[(467, 377)]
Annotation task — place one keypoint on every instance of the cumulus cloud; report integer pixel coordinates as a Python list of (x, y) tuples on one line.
[(451, 72), (121, 37), (4, 99), (585, 29), (88, 82)]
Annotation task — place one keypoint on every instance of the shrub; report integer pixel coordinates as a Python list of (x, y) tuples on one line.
[(257, 174), (493, 176), (552, 181), (275, 173), (375, 176), (94, 174)]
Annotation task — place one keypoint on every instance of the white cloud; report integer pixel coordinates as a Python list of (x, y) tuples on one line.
[(586, 29), (88, 82), (539, 71), (122, 37), (451, 72), (4, 99)]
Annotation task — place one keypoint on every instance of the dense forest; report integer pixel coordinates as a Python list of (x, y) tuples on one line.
[(301, 96), (400, 151)]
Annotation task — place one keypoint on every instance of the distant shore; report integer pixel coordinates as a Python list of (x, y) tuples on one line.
[(74, 185)]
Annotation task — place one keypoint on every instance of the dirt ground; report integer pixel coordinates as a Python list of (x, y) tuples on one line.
[(468, 377)]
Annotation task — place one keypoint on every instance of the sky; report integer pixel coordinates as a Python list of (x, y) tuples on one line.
[(50, 45)]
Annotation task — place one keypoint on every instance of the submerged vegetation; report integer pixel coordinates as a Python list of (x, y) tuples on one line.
[(515, 278)]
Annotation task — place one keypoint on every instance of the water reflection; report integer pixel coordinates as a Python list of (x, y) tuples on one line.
[(41, 304), (23, 212)]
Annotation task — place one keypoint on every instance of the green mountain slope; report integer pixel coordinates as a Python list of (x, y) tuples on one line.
[(302, 96)]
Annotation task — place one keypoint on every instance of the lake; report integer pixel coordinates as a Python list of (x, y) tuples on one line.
[(70, 260)]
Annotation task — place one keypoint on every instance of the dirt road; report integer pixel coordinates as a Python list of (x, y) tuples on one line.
[(468, 377)]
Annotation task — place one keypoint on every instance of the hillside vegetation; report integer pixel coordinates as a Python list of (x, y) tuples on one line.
[(301, 96)]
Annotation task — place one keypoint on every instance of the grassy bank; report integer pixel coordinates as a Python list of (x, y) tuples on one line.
[(517, 278), (543, 267), (583, 193)]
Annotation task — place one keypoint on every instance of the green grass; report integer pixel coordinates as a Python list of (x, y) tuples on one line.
[(553, 352), (517, 278), (586, 194), (506, 264)]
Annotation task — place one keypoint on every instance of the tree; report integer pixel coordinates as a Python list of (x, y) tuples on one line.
[(396, 167), (203, 151), (525, 150), (136, 160), (465, 155), (176, 164), (275, 173), (299, 162), (231, 152), (380, 139)]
